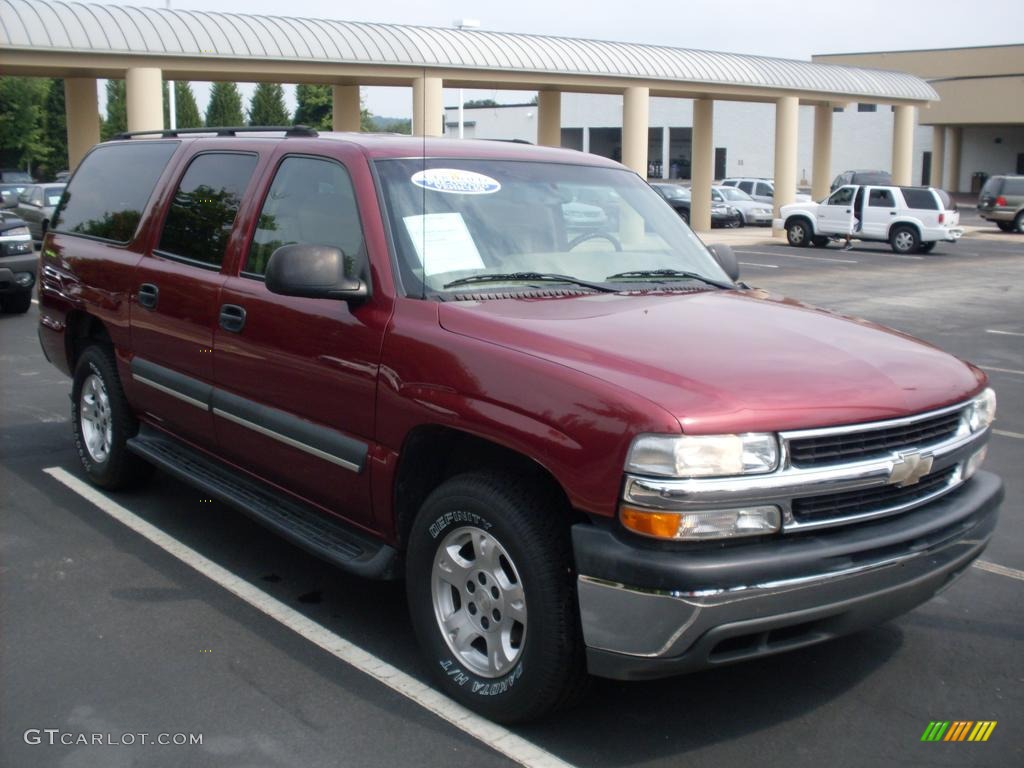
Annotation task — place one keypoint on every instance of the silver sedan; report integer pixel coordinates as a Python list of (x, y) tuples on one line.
[(36, 204), (753, 212)]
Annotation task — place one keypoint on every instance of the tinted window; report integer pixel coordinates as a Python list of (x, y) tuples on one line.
[(1013, 187), (992, 187), (747, 186), (764, 190), (867, 107), (920, 199), (310, 201), (104, 199), (871, 177), (203, 209), (842, 196), (881, 198)]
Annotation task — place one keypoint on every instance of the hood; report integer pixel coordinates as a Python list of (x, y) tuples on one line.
[(728, 361), (809, 206)]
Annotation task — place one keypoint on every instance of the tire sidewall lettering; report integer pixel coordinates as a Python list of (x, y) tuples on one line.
[(446, 520), (476, 685)]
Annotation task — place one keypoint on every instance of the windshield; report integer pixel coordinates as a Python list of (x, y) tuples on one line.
[(731, 193), (673, 191), (53, 196), (456, 219)]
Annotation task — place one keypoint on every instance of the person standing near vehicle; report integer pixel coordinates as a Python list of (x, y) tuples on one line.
[(856, 218)]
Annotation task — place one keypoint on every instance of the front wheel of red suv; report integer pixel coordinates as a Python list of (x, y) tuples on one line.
[(493, 599), (103, 422)]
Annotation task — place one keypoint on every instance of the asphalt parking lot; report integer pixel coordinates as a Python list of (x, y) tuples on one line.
[(105, 632)]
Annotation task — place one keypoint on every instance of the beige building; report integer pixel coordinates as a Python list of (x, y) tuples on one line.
[(978, 123)]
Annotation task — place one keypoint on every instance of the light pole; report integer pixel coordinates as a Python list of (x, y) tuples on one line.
[(172, 111), (462, 24)]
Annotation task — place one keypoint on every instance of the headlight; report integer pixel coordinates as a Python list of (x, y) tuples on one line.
[(24, 279), (703, 455), (982, 411), (704, 524)]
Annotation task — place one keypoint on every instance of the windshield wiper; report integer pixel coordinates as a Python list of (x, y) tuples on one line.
[(528, 277), (675, 274)]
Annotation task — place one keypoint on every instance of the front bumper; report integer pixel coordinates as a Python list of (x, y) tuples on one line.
[(651, 612), (13, 266)]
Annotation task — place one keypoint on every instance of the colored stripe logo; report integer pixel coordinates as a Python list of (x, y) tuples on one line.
[(958, 730)]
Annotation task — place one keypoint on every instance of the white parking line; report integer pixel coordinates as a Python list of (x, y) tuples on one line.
[(755, 264), (35, 301), (1003, 370), (498, 738), (1003, 333), (808, 258), (1002, 570), (1005, 433)]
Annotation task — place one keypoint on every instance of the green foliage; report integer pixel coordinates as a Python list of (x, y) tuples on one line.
[(315, 106), (225, 107), (391, 124), (267, 105), (116, 120), (480, 103), (21, 131), (185, 106), (55, 128)]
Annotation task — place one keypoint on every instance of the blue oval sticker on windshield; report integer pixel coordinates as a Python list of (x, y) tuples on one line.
[(455, 181)]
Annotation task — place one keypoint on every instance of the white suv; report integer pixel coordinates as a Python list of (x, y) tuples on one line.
[(762, 190), (908, 218)]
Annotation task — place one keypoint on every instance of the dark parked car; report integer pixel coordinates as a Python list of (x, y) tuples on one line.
[(1002, 201), (17, 266), (582, 453), (863, 178), (36, 204), (722, 214)]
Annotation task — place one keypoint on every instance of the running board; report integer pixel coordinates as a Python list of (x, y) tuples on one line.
[(311, 529)]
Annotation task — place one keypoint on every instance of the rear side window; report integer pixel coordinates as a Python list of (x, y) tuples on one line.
[(311, 201), (920, 199), (1013, 187), (881, 198), (765, 190), (747, 186), (203, 209), (109, 192)]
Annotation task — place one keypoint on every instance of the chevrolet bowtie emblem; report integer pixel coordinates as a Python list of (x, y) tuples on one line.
[(909, 467)]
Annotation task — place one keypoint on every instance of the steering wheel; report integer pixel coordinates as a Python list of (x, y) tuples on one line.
[(591, 235)]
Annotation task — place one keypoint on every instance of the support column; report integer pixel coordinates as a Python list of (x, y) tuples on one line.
[(938, 155), (82, 113), (955, 136), (345, 115), (427, 106), (666, 150), (902, 144), (702, 164), (549, 118), (821, 173), (635, 112), (144, 95), (787, 122)]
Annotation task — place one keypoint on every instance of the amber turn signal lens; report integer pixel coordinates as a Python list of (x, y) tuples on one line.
[(661, 525)]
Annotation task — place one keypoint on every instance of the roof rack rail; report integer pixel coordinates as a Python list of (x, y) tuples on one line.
[(512, 141), (289, 131)]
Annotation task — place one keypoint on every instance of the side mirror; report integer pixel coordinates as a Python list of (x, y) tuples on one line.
[(726, 260), (315, 272)]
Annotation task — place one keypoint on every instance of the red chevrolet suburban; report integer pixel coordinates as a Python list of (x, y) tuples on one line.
[(581, 442)]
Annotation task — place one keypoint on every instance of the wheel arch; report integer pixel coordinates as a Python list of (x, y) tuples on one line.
[(82, 329), (805, 218), (434, 453), (911, 223)]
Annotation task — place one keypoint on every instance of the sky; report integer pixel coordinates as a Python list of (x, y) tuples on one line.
[(793, 29)]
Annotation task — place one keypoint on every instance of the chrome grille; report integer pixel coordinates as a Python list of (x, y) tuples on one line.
[(871, 501), (844, 447)]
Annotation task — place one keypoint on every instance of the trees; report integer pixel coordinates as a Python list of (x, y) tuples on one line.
[(185, 106), (480, 103), (267, 105), (315, 106), (21, 107), (225, 107), (55, 127), (116, 120)]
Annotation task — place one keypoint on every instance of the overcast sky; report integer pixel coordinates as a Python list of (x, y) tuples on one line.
[(793, 29)]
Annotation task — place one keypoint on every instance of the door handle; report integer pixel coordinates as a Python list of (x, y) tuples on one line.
[(148, 295), (892, 213), (232, 318)]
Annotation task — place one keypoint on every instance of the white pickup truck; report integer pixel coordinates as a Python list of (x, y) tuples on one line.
[(910, 219)]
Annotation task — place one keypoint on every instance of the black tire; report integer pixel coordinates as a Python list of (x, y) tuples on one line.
[(820, 241), (17, 303), (904, 239), (684, 215), (1006, 226), (547, 670), (1018, 223), (109, 465), (927, 247), (798, 233)]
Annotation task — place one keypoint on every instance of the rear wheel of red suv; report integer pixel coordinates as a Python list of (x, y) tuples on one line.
[(492, 597), (103, 422)]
